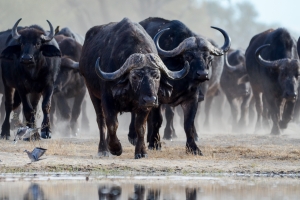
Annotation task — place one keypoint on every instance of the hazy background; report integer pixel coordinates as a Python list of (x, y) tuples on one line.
[(242, 19)]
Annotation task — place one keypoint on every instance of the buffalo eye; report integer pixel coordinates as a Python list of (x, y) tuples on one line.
[(134, 77), (189, 56), (38, 44), (156, 75)]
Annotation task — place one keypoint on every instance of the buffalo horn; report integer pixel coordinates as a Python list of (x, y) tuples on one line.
[(131, 62), (173, 75), (266, 63), (14, 30), (185, 44), (226, 46), (48, 37), (227, 66)]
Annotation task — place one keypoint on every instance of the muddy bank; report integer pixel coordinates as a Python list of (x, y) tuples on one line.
[(223, 153)]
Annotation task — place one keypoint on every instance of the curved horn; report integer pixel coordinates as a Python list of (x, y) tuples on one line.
[(226, 46), (14, 30), (48, 37), (264, 62), (187, 43), (173, 75), (132, 62), (227, 66)]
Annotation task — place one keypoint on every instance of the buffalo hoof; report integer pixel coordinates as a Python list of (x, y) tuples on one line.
[(132, 141), (283, 125), (196, 151), (46, 135), (167, 137), (155, 147), (5, 137), (103, 154), (116, 151), (138, 156)]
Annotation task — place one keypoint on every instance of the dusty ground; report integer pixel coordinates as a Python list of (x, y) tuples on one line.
[(223, 152)]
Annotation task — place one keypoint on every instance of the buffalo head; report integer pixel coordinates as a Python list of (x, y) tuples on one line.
[(28, 44), (197, 50), (144, 73), (237, 76), (288, 71)]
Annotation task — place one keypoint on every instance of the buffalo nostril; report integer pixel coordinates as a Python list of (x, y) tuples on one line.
[(149, 99), (203, 75)]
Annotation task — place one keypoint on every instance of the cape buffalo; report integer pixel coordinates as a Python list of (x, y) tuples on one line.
[(177, 44), (130, 77), (69, 84), (235, 85), (67, 32), (30, 64), (273, 67), (209, 89)]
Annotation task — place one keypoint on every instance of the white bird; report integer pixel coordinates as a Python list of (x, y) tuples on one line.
[(25, 133), (36, 153)]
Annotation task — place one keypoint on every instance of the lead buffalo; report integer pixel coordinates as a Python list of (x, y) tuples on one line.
[(30, 64), (177, 44), (273, 67), (129, 77)]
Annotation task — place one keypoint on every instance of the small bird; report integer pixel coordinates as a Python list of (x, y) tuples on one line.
[(36, 153), (25, 133)]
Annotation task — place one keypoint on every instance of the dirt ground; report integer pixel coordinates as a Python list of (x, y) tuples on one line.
[(223, 153)]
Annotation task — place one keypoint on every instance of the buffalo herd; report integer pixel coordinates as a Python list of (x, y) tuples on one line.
[(148, 69)]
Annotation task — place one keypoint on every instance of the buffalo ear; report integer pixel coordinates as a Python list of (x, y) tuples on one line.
[(10, 51), (50, 51), (243, 79), (165, 89)]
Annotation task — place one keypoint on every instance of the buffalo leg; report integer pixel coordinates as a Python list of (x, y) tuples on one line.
[(258, 105), (65, 113), (102, 147), (140, 127), (274, 109), (189, 111), (2, 109), (85, 124), (111, 119), (234, 113), (244, 112), (169, 129), (156, 121), (15, 122), (287, 114), (76, 112), (132, 137), (46, 106), (52, 111), (9, 92)]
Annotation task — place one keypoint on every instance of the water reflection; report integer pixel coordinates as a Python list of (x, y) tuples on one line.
[(149, 189), (153, 194), (109, 193), (34, 192)]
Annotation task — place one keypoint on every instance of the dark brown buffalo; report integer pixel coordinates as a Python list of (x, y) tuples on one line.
[(273, 67), (235, 85), (69, 85), (123, 73), (30, 64), (177, 44)]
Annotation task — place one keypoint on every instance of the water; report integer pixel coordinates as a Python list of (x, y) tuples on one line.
[(57, 186)]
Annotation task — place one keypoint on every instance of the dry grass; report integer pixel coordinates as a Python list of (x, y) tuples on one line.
[(225, 154)]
